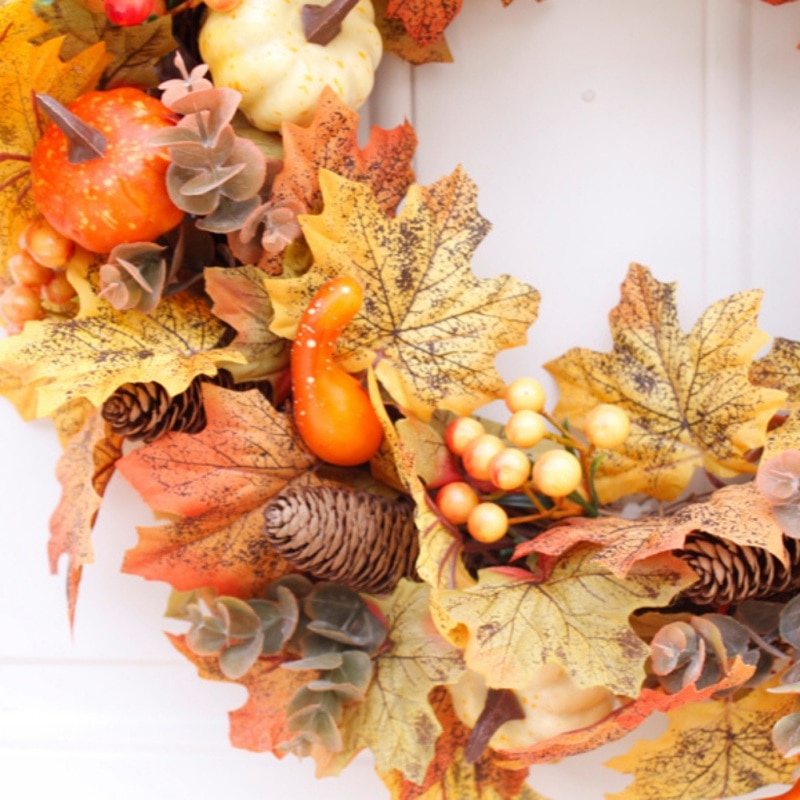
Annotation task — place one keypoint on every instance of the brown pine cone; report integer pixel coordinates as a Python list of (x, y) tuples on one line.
[(730, 573), (358, 539), (146, 411)]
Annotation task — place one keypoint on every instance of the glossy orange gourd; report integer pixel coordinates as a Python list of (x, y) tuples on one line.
[(332, 410)]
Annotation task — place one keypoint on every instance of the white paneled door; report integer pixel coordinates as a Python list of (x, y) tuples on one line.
[(599, 132)]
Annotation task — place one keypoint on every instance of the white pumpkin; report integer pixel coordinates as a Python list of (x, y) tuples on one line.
[(258, 48), (553, 704)]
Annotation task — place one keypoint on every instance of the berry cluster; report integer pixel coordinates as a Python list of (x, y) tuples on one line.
[(500, 471), (37, 273)]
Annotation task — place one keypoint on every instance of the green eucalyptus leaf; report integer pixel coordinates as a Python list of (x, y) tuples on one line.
[(324, 661), (317, 723), (340, 614), (237, 659), (297, 584), (179, 603), (210, 180), (761, 616), (312, 645), (240, 619), (786, 735), (204, 641), (790, 622)]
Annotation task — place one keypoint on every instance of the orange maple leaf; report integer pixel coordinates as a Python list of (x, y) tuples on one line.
[(425, 20), (397, 40), (84, 470), (247, 452), (331, 142), (260, 724), (219, 480), (737, 513)]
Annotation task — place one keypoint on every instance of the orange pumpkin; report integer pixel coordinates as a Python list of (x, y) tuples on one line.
[(116, 193)]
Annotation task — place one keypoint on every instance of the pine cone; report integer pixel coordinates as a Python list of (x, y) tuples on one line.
[(146, 411), (360, 540), (731, 573)]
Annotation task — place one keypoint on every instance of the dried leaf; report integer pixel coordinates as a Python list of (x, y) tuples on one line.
[(725, 749), (780, 369), (247, 452), (689, 398), (425, 20), (26, 68), (84, 470), (134, 49), (330, 142), (450, 776), (738, 513), (577, 618), (431, 327), (224, 551), (260, 724), (241, 299), (396, 40), (395, 720), (94, 353)]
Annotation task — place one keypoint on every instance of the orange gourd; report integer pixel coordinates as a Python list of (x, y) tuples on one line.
[(332, 410)]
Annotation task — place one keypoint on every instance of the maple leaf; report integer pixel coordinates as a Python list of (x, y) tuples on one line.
[(241, 299), (395, 720), (134, 50), (260, 724), (737, 513), (330, 142), (577, 617), (624, 719), (450, 775), (688, 395), (397, 40), (84, 470), (93, 354), (725, 747), (223, 551), (431, 327), (247, 452), (780, 369), (219, 479), (24, 70), (425, 20)]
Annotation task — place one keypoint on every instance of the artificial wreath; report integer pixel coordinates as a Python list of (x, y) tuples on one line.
[(275, 336)]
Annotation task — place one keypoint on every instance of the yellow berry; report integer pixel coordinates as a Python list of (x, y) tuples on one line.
[(607, 426), (525, 393), (525, 428), (479, 453), (456, 500), (461, 431), (487, 523), (557, 473), (509, 469)]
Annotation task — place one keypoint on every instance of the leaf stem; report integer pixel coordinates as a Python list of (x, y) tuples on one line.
[(322, 24)]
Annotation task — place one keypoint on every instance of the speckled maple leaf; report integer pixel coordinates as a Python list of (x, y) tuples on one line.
[(720, 748), (577, 617), (689, 396), (429, 326), (738, 513)]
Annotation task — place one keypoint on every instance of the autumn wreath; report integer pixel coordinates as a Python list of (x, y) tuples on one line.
[(209, 287)]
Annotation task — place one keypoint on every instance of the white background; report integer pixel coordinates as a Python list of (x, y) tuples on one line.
[(600, 132)]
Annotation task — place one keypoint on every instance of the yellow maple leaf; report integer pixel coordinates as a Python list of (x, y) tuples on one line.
[(396, 720), (577, 617), (720, 748), (429, 326), (93, 354), (26, 68), (780, 369), (688, 395)]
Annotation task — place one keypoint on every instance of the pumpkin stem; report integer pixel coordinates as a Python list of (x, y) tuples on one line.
[(84, 142), (501, 706), (322, 24)]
